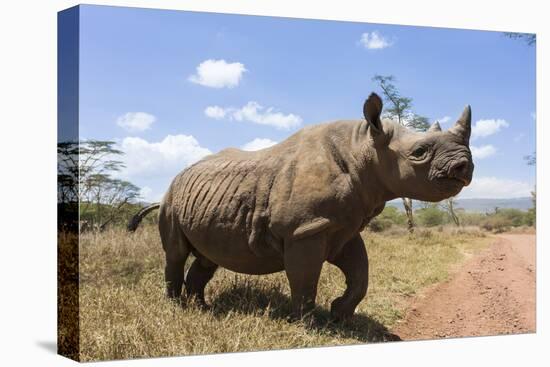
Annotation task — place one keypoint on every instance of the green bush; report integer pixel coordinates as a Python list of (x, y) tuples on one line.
[(470, 218), (503, 219), (430, 217), (531, 217), (515, 216), (496, 223), (120, 216), (379, 225), (390, 216)]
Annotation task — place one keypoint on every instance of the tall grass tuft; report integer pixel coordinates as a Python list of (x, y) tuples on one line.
[(124, 314)]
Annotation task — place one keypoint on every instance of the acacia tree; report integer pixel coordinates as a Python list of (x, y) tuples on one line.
[(449, 206), (85, 176), (67, 172), (531, 160), (67, 186), (400, 109), (529, 38), (102, 196)]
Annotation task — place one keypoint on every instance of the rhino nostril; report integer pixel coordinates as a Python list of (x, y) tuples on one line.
[(459, 169)]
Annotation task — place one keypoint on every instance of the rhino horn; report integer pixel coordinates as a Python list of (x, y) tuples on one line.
[(435, 127), (463, 127)]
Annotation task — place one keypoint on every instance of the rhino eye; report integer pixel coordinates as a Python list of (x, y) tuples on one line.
[(419, 152)]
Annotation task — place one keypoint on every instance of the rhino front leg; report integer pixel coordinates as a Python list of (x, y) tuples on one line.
[(199, 274), (303, 260), (354, 263)]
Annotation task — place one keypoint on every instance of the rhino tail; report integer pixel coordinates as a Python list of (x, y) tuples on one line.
[(136, 219)]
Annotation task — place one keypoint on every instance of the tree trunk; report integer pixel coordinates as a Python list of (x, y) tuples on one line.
[(407, 203), (453, 214)]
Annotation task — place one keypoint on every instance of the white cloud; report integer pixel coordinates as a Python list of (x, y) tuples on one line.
[(374, 41), (519, 137), (164, 158), (254, 112), (496, 188), (145, 191), (483, 151), (150, 195), (443, 120), (136, 121), (218, 74), (258, 143), (483, 128), (215, 112)]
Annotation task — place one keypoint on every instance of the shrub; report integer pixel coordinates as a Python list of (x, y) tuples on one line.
[(515, 216), (379, 224), (471, 218), (390, 216), (496, 223), (393, 214), (531, 218), (424, 234), (503, 219), (430, 217)]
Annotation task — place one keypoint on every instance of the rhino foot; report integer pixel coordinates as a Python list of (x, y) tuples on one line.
[(341, 310), (199, 274)]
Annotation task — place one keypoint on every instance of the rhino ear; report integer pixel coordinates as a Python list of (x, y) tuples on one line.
[(372, 110), (463, 126), (434, 128)]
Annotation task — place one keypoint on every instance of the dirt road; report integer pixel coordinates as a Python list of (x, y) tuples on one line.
[(493, 293)]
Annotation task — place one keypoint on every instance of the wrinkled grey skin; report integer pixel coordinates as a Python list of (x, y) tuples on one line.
[(304, 201)]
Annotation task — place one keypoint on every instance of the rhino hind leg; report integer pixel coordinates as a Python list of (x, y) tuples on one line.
[(303, 260), (174, 277), (354, 263), (177, 249), (199, 274)]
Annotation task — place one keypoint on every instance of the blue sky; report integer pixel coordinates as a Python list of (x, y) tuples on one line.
[(170, 86)]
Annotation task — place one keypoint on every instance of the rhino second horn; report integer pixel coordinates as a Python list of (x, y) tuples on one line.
[(435, 127)]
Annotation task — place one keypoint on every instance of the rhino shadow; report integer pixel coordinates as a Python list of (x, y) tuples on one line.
[(272, 302)]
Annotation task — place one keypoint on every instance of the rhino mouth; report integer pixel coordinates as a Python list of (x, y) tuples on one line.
[(453, 182), (462, 180)]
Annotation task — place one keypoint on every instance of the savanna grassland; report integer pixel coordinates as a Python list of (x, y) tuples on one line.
[(124, 314)]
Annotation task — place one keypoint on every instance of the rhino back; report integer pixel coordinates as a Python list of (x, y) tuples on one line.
[(256, 199)]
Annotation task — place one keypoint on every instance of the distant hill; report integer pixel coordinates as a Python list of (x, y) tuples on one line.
[(479, 205)]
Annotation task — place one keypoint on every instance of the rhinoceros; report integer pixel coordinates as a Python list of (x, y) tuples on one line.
[(304, 201)]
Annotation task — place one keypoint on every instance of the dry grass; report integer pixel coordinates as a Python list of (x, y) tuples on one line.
[(124, 314), (67, 295), (523, 230)]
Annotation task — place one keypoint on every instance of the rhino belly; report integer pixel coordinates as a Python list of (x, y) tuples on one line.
[(224, 215), (233, 252)]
